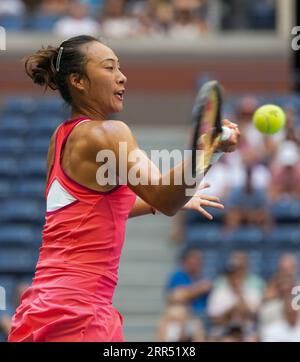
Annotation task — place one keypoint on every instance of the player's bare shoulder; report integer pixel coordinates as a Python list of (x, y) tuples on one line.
[(108, 134)]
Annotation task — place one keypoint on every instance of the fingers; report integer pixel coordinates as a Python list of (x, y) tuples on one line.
[(205, 213), (229, 124), (204, 186), (210, 198), (232, 126), (206, 198), (216, 205), (211, 201)]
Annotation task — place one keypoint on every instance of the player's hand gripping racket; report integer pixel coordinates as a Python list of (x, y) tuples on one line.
[(208, 131)]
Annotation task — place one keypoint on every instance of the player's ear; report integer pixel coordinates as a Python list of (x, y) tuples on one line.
[(76, 81)]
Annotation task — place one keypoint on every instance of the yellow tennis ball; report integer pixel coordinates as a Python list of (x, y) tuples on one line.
[(269, 119)]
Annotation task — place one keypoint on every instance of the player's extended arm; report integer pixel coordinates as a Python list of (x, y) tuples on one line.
[(158, 190)]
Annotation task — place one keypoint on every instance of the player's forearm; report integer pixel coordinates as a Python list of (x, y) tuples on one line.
[(170, 194)]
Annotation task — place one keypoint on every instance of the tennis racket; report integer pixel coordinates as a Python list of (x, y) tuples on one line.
[(206, 117)]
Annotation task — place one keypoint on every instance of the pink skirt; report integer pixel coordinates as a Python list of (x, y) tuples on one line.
[(51, 318)]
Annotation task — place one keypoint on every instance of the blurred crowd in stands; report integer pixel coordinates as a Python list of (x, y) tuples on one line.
[(236, 306), (265, 170), (186, 19), (259, 184)]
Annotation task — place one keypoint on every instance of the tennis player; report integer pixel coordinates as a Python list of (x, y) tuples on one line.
[(70, 298)]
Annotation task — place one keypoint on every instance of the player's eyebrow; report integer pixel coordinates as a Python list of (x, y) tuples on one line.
[(112, 59)]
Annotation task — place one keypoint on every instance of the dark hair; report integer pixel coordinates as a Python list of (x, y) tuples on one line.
[(187, 251), (42, 65)]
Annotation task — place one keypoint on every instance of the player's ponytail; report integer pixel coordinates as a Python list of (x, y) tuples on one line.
[(50, 67), (40, 67)]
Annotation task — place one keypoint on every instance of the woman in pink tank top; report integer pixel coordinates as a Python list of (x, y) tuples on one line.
[(70, 298)]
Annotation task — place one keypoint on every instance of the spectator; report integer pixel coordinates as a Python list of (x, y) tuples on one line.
[(186, 285), (186, 24), (288, 265), (291, 129), (237, 295), (5, 323), (278, 289), (286, 328), (55, 7), (286, 173), (116, 23), (219, 178), (94, 5), (164, 18), (247, 205), (177, 324), (238, 164), (12, 7), (77, 23), (147, 13), (233, 333)]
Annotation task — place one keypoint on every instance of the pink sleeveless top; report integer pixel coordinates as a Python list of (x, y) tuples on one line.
[(82, 242)]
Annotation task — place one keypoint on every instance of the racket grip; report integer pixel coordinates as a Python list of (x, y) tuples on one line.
[(226, 133)]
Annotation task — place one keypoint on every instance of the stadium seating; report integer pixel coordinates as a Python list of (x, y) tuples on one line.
[(5, 188), (202, 235), (11, 145), (193, 217), (286, 211), (12, 125), (16, 235), (17, 261), (34, 165), (29, 188), (20, 105), (18, 210), (8, 166)]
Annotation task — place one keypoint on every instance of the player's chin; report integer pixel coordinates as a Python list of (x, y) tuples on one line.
[(118, 108)]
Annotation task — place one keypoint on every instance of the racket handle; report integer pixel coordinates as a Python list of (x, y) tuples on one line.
[(226, 133)]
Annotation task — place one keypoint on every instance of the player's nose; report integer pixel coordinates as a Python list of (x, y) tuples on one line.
[(122, 79)]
